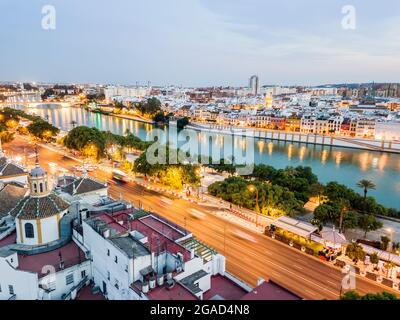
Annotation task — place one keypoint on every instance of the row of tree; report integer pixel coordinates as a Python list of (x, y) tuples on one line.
[(97, 144), (342, 206), (39, 128), (265, 197), (176, 176)]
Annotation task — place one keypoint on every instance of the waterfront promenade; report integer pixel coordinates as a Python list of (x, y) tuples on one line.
[(280, 135)]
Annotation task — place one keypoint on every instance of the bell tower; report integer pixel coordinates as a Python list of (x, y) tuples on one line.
[(37, 180)]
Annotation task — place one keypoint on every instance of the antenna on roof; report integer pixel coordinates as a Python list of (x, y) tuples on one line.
[(36, 155)]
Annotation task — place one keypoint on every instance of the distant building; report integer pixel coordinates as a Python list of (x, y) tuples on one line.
[(254, 85)]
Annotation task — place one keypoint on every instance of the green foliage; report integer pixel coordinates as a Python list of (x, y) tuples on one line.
[(384, 242), (355, 252), (175, 176), (350, 295), (273, 199), (182, 122), (374, 258), (43, 130), (369, 223), (89, 141), (366, 185), (160, 117), (6, 136), (353, 295), (330, 212), (150, 107), (95, 143)]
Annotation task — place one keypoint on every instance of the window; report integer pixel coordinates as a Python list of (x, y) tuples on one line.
[(126, 268), (108, 252), (83, 273), (34, 187), (41, 187), (11, 289), (116, 259), (108, 275), (0, 287), (69, 279), (29, 230)]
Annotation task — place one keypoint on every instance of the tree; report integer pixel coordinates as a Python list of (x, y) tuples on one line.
[(350, 295), (181, 123), (150, 107), (374, 258), (389, 267), (384, 242), (355, 252), (159, 117), (90, 141), (368, 223), (353, 295), (43, 130), (343, 205), (366, 185), (317, 189)]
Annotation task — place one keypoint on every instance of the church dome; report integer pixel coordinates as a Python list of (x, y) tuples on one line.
[(38, 172)]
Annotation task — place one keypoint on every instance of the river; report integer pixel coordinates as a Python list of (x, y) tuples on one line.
[(346, 166)]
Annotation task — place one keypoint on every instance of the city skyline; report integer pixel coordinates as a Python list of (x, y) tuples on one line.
[(200, 43)]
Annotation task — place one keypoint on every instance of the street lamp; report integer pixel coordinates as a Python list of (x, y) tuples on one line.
[(253, 188), (390, 231)]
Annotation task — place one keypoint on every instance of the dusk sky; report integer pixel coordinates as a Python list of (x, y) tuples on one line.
[(200, 42)]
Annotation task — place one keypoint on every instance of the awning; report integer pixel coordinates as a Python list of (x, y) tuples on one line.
[(383, 255), (300, 228)]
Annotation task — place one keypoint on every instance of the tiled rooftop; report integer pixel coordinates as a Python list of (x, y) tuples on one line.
[(39, 207), (8, 168), (83, 185), (10, 194)]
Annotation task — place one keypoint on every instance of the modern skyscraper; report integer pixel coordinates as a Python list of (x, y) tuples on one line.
[(254, 85)]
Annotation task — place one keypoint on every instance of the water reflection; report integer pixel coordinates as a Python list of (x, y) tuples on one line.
[(343, 165)]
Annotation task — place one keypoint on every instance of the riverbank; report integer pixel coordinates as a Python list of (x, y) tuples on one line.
[(121, 116), (298, 137)]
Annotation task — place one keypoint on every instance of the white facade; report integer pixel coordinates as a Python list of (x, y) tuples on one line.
[(387, 131), (22, 284), (45, 230)]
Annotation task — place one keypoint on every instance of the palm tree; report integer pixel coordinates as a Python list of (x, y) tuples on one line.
[(344, 206), (366, 185)]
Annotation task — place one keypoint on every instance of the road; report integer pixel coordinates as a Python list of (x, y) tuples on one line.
[(249, 260)]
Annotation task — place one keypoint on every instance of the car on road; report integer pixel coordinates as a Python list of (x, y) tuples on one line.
[(243, 235), (52, 164), (165, 202), (119, 175), (197, 214)]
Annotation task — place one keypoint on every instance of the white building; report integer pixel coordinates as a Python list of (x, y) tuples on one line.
[(387, 131), (134, 256)]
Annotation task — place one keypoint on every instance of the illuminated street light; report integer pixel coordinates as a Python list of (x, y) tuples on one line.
[(253, 188)]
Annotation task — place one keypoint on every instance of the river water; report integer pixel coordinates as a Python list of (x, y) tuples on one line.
[(346, 166)]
